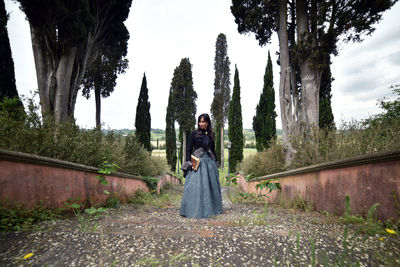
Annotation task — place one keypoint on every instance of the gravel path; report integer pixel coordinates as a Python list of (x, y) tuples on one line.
[(155, 235)]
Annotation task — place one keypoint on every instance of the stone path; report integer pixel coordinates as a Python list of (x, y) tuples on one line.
[(155, 235)]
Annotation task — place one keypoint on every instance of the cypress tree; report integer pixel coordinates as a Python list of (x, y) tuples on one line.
[(7, 75), (222, 93), (264, 123), (143, 119), (326, 119), (217, 132), (170, 134), (235, 130), (184, 99)]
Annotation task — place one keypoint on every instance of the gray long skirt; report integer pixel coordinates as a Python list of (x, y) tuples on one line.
[(202, 192)]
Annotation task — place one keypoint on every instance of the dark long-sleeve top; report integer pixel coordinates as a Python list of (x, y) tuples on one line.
[(200, 138)]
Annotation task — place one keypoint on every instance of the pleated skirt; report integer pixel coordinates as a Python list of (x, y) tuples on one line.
[(202, 192)]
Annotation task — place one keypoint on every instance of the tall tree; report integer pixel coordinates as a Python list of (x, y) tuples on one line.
[(170, 134), (184, 99), (326, 119), (143, 119), (222, 91), (66, 38), (312, 32), (7, 75), (235, 129), (264, 124), (101, 76), (218, 142)]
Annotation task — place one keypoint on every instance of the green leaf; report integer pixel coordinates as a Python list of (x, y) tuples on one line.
[(106, 192), (75, 205), (91, 210)]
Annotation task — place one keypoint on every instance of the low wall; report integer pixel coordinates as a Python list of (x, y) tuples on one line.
[(165, 179), (28, 179), (365, 179)]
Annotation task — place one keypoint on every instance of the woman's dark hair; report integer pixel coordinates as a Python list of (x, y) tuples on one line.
[(206, 117)]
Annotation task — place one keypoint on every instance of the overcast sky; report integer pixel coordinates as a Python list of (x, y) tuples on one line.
[(162, 32)]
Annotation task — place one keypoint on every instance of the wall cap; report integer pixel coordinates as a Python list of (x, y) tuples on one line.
[(45, 161)]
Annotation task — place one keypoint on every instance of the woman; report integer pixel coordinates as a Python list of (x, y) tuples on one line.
[(202, 192)]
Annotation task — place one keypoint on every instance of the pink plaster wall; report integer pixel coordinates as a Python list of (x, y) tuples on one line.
[(165, 179), (29, 183), (29, 179), (326, 189)]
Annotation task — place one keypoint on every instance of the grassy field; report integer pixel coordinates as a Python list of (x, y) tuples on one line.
[(246, 152)]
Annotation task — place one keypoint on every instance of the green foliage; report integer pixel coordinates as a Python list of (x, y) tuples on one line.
[(165, 199), (106, 168), (170, 134), (112, 202), (76, 32), (151, 183), (222, 91), (180, 138), (266, 162), (264, 122), (326, 119), (235, 130), (350, 140), (101, 75), (183, 95), (143, 118), (16, 217), (217, 139), (138, 161), (298, 202), (391, 109), (139, 198), (87, 217), (270, 185), (26, 132), (7, 75)]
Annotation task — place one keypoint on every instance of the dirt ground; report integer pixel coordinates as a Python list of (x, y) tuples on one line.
[(156, 235)]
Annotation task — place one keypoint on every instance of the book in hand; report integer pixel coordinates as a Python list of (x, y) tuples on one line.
[(195, 162)]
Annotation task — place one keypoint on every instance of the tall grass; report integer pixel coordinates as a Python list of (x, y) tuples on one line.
[(317, 146), (25, 131)]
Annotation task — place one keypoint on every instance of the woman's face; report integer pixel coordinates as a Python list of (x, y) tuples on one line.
[(203, 124)]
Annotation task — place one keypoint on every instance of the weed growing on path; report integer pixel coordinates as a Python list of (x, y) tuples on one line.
[(16, 217), (298, 202), (87, 218), (167, 198)]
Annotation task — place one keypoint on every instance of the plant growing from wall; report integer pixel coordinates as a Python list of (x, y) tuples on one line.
[(151, 183)]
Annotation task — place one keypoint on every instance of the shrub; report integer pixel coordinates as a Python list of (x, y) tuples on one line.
[(138, 161), (16, 217), (28, 132), (352, 139), (265, 162)]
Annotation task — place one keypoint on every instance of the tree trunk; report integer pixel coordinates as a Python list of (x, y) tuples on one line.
[(184, 147), (285, 82), (63, 76), (45, 64), (222, 163), (98, 106), (59, 77), (310, 76)]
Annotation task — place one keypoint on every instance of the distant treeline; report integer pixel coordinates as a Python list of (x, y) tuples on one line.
[(160, 134)]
